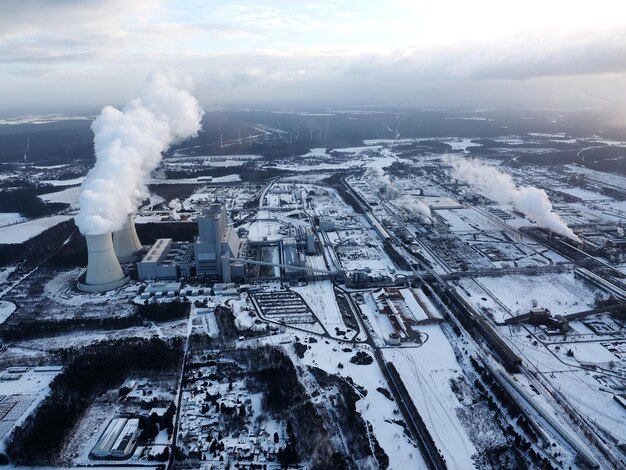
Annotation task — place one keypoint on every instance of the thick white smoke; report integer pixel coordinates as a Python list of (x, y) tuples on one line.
[(500, 187), (129, 144), (175, 205), (389, 190)]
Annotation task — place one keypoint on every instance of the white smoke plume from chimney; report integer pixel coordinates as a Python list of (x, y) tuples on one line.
[(500, 187), (175, 205), (388, 190), (129, 144)]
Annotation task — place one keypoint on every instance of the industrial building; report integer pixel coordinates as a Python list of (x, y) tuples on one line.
[(215, 240), (217, 252), (118, 440), (167, 259), (209, 255)]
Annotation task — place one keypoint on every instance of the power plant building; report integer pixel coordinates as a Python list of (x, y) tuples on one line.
[(167, 259), (208, 255), (208, 245), (216, 243), (291, 257)]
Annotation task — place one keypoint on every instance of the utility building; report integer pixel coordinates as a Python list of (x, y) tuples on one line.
[(210, 254), (166, 259), (208, 245), (215, 241)]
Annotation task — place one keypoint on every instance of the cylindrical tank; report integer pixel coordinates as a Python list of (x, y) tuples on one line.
[(103, 269), (126, 242), (394, 339)]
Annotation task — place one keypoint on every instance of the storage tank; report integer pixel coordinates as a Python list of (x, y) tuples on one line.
[(103, 269), (126, 242)]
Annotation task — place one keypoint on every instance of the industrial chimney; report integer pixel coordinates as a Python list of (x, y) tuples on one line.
[(126, 242), (103, 270)]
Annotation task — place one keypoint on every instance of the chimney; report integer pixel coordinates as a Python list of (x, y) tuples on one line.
[(103, 270), (126, 242)]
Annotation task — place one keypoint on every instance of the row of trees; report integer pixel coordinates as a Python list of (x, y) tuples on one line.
[(153, 312), (26, 202)]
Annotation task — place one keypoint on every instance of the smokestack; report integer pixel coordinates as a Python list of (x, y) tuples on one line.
[(126, 242), (103, 270)]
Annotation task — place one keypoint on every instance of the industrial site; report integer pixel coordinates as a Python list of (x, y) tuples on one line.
[(427, 302)]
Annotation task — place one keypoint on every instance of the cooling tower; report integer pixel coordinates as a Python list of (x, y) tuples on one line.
[(126, 242), (103, 269)]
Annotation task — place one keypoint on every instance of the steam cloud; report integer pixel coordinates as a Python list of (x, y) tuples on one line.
[(129, 144), (388, 188), (500, 187), (175, 205)]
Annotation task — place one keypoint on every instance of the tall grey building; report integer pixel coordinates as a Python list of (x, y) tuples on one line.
[(208, 245)]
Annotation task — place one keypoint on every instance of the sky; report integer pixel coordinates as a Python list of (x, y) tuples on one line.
[(78, 55)]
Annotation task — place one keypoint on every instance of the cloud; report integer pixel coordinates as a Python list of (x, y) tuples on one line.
[(328, 52)]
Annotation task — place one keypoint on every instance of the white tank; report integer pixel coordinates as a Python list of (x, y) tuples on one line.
[(126, 242), (103, 269)]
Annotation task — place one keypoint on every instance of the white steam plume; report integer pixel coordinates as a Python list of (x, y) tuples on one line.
[(129, 146), (414, 206), (500, 187), (175, 205), (388, 189)]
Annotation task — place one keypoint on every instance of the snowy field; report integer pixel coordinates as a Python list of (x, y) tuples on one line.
[(426, 373), (6, 309), (72, 182), (69, 195), (10, 218), (321, 298), (510, 295), (561, 293), (198, 180), (467, 220), (22, 391), (264, 231), (374, 407), (20, 233)]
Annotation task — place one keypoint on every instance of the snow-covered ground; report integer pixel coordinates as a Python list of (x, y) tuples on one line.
[(426, 373), (589, 392), (199, 180), (561, 293), (70, 182), (6, 309), (319, 295), (10, 218), (373, 407), (19, 233), (42, 119), (25, 389), (69, 195)]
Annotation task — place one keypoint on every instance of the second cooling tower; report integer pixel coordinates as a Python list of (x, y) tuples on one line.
[(126, 242), (103, 269)]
